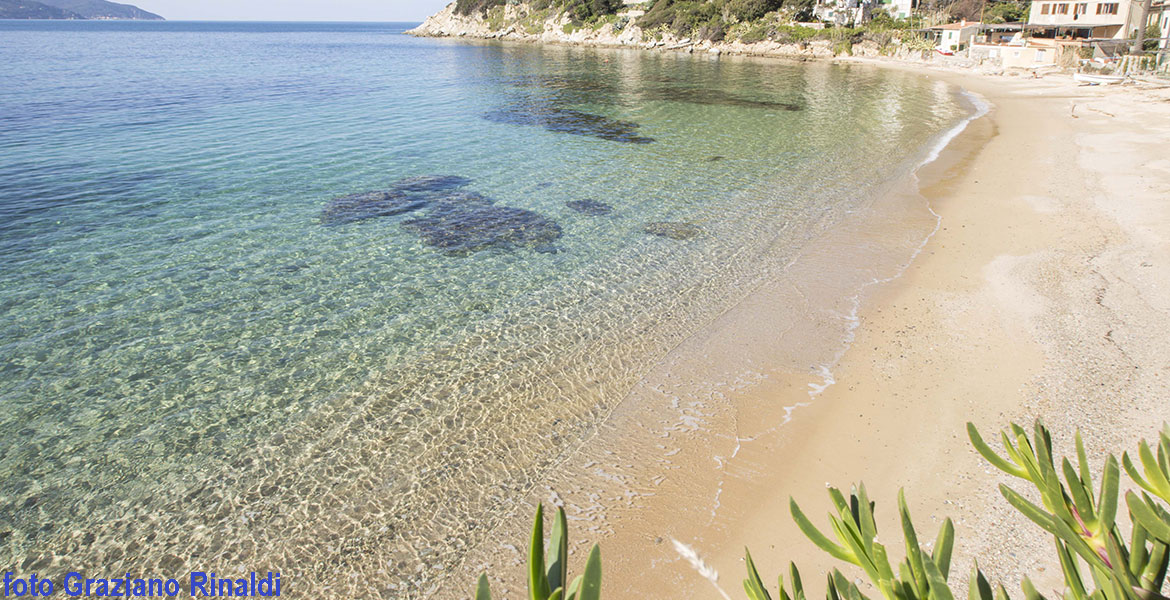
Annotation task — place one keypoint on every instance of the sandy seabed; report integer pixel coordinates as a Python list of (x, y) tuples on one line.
[(1040, 292)]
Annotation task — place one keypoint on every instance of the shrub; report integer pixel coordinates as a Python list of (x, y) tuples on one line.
[(914, 41), (467, 7), (1005, 12), (750, 10), (551, 582)]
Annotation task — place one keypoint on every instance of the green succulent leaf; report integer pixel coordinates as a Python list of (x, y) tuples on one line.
[(1107, 502), (990, 456), (1072, 573), (1156, 476), (979, 588), (537, 579), (483, 590), (1144, 515), (939, 590), (1030, 592), (1154, 574), (797, 586), (943, 547), (822, 542), (558, 569), (753, 585), (913, 551), (591, 580), (1033, 512)]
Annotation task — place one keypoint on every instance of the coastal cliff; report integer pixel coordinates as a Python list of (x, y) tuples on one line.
[(771, 35)]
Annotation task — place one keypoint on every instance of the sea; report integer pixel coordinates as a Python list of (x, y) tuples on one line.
[(321, 299)]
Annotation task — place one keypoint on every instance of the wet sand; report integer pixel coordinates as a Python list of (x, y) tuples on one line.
[(1036, 294)]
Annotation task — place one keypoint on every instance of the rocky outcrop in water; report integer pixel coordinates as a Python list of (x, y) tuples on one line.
[(673, 230), (461, 228), (567, 120), (404, 196), (457, 221), (368, 205), (590, 207)]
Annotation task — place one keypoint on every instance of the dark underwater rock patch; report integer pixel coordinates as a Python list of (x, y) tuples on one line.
[(369, 205), (712, 97), (673, 230), (590, 207), (405, 195), (567, 120), (430, 183), (459, 229)]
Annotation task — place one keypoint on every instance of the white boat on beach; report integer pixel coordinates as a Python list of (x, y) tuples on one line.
[(1097, 79)]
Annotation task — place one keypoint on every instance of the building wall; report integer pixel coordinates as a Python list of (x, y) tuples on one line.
[(1094, 12), (1164, 26), (899, 9), (954, 39)]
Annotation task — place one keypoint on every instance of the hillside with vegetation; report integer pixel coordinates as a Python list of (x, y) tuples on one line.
[(26, 9), (771, 27), (73, 9), (101, 9)]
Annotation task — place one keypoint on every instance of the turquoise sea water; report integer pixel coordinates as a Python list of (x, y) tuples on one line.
[(208, 362)]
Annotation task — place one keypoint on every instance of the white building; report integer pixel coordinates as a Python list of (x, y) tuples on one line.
[(955, 36), (1161, 12), (844, 12), (1114, 19), (899, 9)]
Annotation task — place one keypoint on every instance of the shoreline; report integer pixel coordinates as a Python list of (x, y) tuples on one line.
[(974, 330), (977, 336)]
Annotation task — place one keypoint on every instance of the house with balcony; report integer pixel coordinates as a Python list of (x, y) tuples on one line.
[(1104, 19)]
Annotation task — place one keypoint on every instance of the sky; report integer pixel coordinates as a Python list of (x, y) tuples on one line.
[(291, 10)]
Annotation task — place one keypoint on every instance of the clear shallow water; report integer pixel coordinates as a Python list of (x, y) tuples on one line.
[(198, 371)]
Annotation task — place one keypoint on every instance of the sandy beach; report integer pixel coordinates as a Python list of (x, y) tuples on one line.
[(1036, 296)]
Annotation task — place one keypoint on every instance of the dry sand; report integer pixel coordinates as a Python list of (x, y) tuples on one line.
[(1041, 294)]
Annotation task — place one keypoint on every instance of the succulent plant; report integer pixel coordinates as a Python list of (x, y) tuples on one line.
[(548, 582), (1083, 522), (1097, 561)]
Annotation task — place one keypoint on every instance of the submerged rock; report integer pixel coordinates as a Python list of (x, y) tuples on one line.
[(463, 228), (590, 207), (368, 205), (430, 183), (462, 197), (715, 97), (405, 195), (673, 230), (567, 120)]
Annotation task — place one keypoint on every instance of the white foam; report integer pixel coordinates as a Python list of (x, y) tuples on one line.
[(981, 108)]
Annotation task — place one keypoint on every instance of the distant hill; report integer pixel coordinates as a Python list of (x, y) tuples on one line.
[(100, 9), (26, 9), (72, 9)]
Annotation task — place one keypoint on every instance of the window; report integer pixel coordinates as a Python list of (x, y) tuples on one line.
[(1081, 9), (1044, 8), (1107, 9), (1062, 9)]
